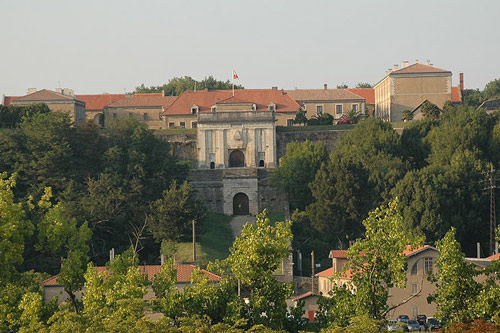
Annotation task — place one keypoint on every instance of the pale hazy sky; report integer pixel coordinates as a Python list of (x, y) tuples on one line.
[(111, 46)]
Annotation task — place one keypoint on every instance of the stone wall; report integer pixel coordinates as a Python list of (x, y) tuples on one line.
[(183, 146)]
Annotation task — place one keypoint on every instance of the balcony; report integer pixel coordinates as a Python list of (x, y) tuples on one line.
[(235, 116)]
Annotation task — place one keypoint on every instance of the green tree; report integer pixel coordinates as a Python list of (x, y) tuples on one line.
[(472, 97), (407, 115), (456, 291), (300, 117), (253, 258), (430, 111), (363, 85), (377, 261), (170, 217), (12, 116), (297, 169), (178, 85), (337, 308), (342, 86), (491, 90), (323, 119)]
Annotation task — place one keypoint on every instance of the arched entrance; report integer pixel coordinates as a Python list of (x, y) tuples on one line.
[(236, 159), (240, 204)]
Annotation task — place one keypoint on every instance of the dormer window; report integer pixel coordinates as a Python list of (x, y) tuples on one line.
[(214, 108), (194, 109), (254, 107), (272, 107)]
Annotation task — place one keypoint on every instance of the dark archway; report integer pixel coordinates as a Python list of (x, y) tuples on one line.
[(261, 163), (212, 165), (240, 204), (236, 159)]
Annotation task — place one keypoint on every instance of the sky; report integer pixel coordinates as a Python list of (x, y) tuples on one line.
[(109, 46)]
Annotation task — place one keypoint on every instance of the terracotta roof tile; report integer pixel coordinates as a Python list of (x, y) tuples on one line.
[(494, 257), (322, 94), (419, 68), (367, 93), (338, 254), (98, 102), (184, 272), (206, 99), (44, 95), (456, 94), (329, 273), (143, 100), (7, 100), (301, 296)]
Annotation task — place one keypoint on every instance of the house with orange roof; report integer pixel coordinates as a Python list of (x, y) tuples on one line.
[(420, 262), (407, 87), (94, 105), (147, 108), (60, 100), (336, 102), (53, 288)]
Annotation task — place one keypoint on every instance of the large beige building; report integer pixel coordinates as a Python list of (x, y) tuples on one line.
[(60, 100), (336, 102), (407, 87)]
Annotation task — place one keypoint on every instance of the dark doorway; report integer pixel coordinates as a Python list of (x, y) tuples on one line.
[(212, 165), (261, 163), (240, 204), (236, 159)]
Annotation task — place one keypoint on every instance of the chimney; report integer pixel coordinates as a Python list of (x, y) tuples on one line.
[(478, 250), (461, 81), (31, 90), (395, 68), (405, 64), (388, 71), (274, 88), (68, 92), (162, 260), (416, 61), (428, 62), (112, 254), (59, 90), (325, 86)]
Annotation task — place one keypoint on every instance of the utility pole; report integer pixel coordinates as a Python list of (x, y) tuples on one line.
[(194, 240), (312, 271), (492, 210)]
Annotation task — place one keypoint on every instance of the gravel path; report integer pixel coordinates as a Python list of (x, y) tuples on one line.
[(238, 221)]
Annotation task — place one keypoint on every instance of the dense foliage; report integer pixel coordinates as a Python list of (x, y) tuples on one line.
[(178, 85)]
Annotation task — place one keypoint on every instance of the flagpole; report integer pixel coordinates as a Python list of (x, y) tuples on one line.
[(232, 80)]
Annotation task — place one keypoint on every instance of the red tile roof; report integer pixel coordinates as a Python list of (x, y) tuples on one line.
[(301, 296), (494, 257), (409, 252), (329, 273), (367, 93), (419, 68), (342, 254), (184, 272), (456, 94), (143, 100), (98, 102), (7, 100), (323, 94), (44, 95), (206, 99)]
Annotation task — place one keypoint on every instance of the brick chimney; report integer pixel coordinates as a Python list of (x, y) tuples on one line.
[(405, 64), (325, 86), (395, 67), (31, 90), (461, 81)]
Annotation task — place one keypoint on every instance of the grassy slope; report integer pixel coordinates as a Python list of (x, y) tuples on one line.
[(213, 243)]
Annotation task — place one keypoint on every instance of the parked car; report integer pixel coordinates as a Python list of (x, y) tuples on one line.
[(422, 320), (394, 325), (403, 318), (413, 325), (433, 324)]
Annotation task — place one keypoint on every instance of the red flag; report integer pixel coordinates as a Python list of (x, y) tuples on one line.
[(235, 76)]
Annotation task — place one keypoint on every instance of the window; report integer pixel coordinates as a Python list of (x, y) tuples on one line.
[(145, 115), (194, 109), (319, 109), (414, 269), (338, 109), (414, 288), (213, 108), (212, 165), (428, 265), (182, 124), (114, 115), (289, 122), (272, 107), (261, 163), (254, 107), (171, 124), (414, 312), (355, 107), (194, 124)]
